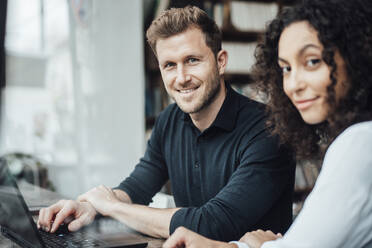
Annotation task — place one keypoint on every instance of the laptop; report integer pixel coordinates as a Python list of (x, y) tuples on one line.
[(17, 224)]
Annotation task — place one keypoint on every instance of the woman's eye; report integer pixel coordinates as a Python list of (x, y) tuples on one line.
[(285, 69), (312, 62)]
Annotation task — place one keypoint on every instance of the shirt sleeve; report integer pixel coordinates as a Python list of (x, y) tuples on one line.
[(338, 212), (254, 187), (150, 173)]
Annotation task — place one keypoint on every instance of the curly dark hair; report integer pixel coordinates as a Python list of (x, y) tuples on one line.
[(344, 26)]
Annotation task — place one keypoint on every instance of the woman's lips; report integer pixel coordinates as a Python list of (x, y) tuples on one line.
[(304, 104)]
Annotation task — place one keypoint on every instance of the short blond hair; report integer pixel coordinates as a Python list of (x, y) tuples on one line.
[(177, 20)]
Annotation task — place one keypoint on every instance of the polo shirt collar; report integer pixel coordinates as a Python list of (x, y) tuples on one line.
[(226, 117)]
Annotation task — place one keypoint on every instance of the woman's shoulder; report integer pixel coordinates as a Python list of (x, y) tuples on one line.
[(352, 146), (361, 131), (361, 126)]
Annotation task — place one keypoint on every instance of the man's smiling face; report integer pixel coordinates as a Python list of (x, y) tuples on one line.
[(189, 70)]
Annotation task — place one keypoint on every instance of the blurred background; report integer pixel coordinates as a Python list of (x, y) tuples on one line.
[(83, 88)]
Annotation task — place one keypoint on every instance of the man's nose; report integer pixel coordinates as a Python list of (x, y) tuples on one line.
[(182, 76)]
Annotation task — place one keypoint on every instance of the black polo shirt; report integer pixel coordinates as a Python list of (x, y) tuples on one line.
[(229, 179)]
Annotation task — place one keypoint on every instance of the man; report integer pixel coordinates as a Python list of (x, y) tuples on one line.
[(228, 176)]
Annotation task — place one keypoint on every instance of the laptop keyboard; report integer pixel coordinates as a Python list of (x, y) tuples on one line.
[(70, 239)]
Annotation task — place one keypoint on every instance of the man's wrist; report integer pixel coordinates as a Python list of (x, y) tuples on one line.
[(239, 244), (122, 195)]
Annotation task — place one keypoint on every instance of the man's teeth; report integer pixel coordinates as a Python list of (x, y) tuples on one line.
[(187, 91)]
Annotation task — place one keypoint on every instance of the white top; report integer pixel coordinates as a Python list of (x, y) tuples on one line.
[(338, 212)]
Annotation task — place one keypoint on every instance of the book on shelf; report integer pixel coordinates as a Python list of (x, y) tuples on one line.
[(218, 14), (240, 56), (252, 16), (161, 5), (244, 16)]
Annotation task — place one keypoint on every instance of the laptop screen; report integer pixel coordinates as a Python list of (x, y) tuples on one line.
[(13, 214)]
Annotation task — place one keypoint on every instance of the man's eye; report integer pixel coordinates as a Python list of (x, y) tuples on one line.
[(312, 62), (192, 60), (168, 65)]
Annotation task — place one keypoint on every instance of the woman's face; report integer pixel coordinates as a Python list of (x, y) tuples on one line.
[(305, 74)]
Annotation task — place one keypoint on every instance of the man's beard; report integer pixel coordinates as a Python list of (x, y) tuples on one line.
[(209, 97)]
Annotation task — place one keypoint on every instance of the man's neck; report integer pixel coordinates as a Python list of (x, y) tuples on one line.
[(204, 118)]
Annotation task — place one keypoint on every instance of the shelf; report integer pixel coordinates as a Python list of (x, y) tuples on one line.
[(238, 78), (231, 34)]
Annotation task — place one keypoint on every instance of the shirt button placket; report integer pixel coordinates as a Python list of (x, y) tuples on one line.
[(197, 144)]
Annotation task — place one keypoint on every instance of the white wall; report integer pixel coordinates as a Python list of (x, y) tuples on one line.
[(108, 68)]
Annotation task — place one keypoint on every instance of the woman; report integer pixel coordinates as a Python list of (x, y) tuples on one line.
[(315, 65)]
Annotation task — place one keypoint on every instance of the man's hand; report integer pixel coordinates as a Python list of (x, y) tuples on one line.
[(82, 214), (183, 237), (102, 199), (257, 238)]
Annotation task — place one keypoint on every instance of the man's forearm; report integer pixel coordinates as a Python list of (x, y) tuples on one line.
[(151, 221), (118, 205)]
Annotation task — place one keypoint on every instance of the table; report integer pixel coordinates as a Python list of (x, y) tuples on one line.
[(37, 197)]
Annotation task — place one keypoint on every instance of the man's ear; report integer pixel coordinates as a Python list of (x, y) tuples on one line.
[(222, 61)]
